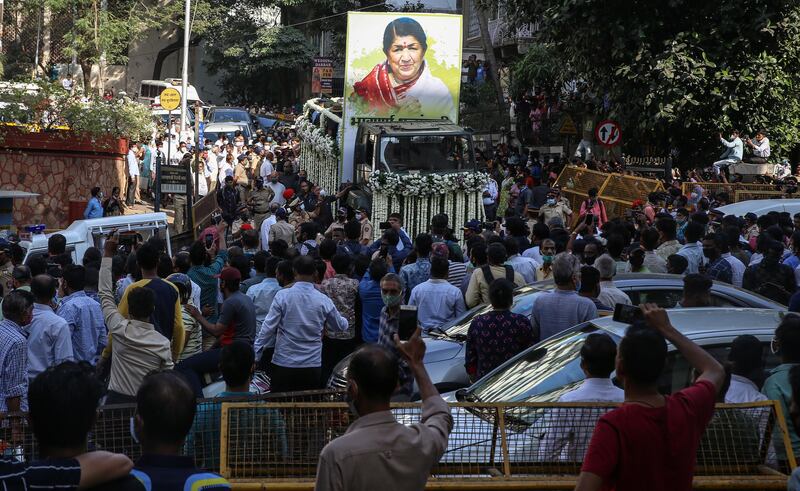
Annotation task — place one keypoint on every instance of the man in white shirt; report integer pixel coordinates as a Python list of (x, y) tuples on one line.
[(761, 150), (563, 439), (490, 199), (266, 166), (132, 196), (609, 294), (298, 316), (277, 187), (737, 266), (746, 365), (525, 266), (266, 224), (437, 301), (212, 170)]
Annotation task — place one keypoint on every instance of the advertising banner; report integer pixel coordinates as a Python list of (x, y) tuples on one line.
[(322, 76), (405, 65)]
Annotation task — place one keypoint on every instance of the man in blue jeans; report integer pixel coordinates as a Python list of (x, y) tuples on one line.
[(236, 321)]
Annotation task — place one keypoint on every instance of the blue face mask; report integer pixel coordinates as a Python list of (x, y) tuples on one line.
[(547, 259)]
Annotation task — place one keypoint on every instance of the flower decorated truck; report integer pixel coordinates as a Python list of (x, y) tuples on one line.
[(415, 167)]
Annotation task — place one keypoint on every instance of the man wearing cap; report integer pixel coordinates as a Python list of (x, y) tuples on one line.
[(278, 188), (471, 229), (553, 207), (259, 202), (341, 219), (20, 280), (281, 229), (366, 226), (237, 321)]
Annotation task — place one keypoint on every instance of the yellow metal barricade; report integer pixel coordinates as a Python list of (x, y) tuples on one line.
[(494, 446)]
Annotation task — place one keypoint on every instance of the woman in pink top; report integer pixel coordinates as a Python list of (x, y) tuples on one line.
[(595, 206)]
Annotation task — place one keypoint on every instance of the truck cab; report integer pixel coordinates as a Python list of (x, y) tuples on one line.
[(424, 146)]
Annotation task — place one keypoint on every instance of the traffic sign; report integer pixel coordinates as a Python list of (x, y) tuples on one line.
[(170, 99), (201, 135), (568, 126), (608, 133)]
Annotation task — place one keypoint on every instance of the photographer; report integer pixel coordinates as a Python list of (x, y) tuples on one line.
[(594, 206), (760, 147)]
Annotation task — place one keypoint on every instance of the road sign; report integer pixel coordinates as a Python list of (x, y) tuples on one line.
[(173, 179), (201, 135), (170, 99), (568, 126), (608, 133)]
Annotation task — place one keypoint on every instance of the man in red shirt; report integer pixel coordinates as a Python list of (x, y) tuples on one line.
[(651, 441)]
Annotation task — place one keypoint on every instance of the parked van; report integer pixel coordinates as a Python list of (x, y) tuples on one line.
[(82, 234), (150, 90)]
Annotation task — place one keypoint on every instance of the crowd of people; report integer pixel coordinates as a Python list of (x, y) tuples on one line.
[(292, 280)]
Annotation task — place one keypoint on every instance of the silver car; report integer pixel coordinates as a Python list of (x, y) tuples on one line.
[(446, 349), (551, 368)]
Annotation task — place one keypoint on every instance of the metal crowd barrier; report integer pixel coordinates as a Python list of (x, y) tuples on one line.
[(736, 191), (618, 191), (495, 446), (112, 429)]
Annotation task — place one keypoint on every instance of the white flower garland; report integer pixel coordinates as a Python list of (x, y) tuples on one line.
[(319, 153), (427, 184)]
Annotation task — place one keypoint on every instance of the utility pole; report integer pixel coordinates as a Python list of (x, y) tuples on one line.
[(185, 73), (2, 13), (488, 49)]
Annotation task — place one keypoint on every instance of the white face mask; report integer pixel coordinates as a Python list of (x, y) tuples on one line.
[(239, 144)]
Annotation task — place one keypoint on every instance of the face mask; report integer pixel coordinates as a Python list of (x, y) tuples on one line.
[(133, 432), (273, 180), (551, 201), (547, 259), (588, 260), (359, 216), (239, 144), (392, 300)]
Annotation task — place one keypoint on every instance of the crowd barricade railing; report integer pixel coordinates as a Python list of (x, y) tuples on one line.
[(618, 191), (737, 191), (111, 431), (495, 446)]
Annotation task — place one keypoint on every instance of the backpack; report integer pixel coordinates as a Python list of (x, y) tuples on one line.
[(489, 277)]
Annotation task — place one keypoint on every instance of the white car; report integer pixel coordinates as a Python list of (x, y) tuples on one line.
[(82, 234), (761, 207)]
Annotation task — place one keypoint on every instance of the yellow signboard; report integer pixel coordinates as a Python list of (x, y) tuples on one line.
[(170, 99), (568, 126)]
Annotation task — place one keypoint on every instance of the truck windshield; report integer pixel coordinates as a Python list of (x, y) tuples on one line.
[(431, 153)]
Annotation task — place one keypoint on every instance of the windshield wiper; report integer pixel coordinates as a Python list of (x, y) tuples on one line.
[(437, 330)]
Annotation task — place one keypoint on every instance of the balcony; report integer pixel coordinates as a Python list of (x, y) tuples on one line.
[(503, 33)]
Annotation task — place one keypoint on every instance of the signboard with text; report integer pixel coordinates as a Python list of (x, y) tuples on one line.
[(173, 179), (322, 76)]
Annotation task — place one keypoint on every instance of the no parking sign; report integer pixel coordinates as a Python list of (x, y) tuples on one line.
[(608, 133)]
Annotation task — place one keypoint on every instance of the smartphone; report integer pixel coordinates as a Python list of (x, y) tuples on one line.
[(627, 314), (209, 238), (408, 322), (385, 225), (384, 251)]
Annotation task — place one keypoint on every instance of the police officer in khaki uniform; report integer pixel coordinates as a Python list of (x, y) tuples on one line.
[(259, 201), (366, 227)]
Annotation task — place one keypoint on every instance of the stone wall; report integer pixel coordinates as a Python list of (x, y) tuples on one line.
[(59, 176)]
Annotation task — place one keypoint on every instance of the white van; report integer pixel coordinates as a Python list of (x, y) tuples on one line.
[(82, 234), (150, 90)]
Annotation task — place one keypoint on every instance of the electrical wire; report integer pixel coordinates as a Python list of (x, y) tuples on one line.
[(335, 15)]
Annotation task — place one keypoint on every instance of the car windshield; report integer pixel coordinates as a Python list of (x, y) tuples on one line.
[(523, 304), (229, 116), (435, 153), (541, 373)]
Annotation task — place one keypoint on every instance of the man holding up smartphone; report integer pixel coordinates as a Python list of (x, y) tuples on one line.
[(358, 460), (634, 446)]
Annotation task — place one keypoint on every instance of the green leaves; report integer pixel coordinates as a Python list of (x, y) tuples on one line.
[(673, 71)]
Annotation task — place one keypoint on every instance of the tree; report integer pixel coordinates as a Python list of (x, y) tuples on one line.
[(676, 73), (102, 30)]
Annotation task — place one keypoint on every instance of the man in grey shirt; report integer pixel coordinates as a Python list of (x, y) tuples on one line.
[(378, 452), (562, 308)]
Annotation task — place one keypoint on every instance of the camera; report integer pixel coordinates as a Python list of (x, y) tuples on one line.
[(384, 225)]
